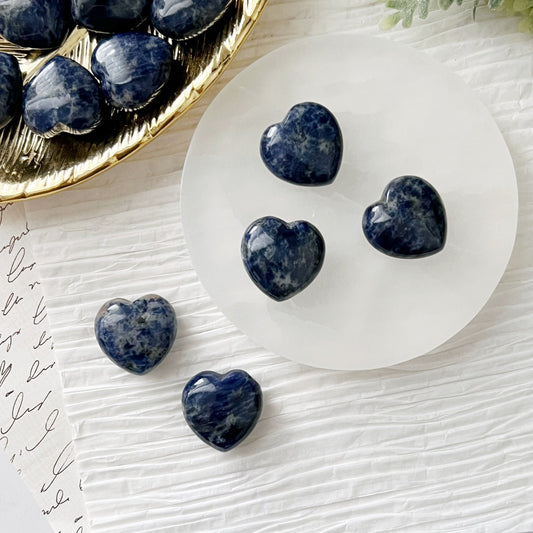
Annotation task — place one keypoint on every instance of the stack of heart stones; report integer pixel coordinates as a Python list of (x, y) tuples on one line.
[(281, 258), (128, 69)]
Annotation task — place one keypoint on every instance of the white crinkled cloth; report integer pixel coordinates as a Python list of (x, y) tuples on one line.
[(441, 443)]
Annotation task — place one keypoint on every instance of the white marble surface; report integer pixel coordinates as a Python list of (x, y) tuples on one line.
[(442, 443)]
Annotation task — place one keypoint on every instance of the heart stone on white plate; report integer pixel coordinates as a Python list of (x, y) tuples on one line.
[(282, 259), (409, 221)]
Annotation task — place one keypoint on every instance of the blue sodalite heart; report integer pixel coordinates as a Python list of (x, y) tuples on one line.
[(282, 259), (109, 16), (222, 409), (10, 88), (62, 97), (136, 335), (409, 221), (132, 68), (306, 148), (182, 19), (34, 23)]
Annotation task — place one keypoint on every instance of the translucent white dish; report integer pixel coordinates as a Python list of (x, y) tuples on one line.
[(400, 113)]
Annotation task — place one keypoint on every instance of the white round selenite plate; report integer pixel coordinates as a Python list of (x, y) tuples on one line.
[(400, 113)]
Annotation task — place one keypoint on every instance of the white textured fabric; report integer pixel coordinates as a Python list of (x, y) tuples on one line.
[(441, 443)]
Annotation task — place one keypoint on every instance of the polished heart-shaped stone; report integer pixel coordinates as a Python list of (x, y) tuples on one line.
[(109, 16), (132, 68), (10, 88), (306, 147), (136, 335), (282, 259), (222, 409), (34, 23), (409, 221), (182, 19), (62, 97)]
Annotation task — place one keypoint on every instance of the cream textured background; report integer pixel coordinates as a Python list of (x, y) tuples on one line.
[(441, 443)]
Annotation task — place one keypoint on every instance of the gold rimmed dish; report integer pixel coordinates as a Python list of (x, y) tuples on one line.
[(31, 166)]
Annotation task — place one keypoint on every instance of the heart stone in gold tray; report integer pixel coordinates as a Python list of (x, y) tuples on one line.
[(31, 166)]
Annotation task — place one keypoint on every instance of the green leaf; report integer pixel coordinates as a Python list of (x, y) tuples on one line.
[(407, 19), (445, 4), (423, 8), (396, 4), (405, 10), (524, 25), (522, 5), (390, 21)]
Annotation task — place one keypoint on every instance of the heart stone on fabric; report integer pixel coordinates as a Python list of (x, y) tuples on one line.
[(282, 259), (222, 409), (132, 68), (136, 335), (109, 16), (62, 97), (409, 221), (182, 20), (34, 23), (306, 147)]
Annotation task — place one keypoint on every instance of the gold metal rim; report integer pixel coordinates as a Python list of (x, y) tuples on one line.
[(31, 167)]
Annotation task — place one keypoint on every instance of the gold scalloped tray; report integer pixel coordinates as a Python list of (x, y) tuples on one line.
[(31, 166)]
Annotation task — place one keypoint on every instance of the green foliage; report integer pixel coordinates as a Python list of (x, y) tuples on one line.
[(405, 10)]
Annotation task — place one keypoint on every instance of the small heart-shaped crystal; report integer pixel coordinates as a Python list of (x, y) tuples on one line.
[(222, 409), (109, 16), (62, 97), (10, 88), (132, 68), (409, 221), (34, 23), (282, 259), (181, 19), (136, 336), (306, 147)]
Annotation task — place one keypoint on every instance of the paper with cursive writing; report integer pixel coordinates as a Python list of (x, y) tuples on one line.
[(34, 430)]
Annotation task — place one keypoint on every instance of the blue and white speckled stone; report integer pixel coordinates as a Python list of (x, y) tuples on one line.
[(222, 409), (34, 23), (409, 221), (136, 335), (132, 68), (282, 259), (182, 19), (306, 147), (62, 97), (10, 88), (109, 16)]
